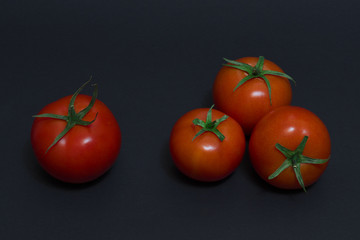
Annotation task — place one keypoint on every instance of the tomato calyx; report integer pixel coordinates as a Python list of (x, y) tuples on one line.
[(73, 118), (294, 159), (209, 125), (255, 72)]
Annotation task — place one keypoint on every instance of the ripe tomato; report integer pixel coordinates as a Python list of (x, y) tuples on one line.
[(249, 88), (205, 149), (290, 147), (87, 150)]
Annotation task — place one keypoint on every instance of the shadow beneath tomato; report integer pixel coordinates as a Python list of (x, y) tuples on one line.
[(40, 175), (172, 171), (247, 169)]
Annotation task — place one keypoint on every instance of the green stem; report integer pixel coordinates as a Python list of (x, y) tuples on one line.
[(73, 118), (294, 159), (255, 72), (209, 125)]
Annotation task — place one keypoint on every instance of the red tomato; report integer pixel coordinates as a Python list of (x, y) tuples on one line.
[(85, 152), (203, 155), (295, 139), (250, 101)]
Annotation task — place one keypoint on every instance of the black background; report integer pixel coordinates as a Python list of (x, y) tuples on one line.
[(153, 62)]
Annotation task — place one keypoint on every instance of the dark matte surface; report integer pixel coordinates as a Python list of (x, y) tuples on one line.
[(154, 61)]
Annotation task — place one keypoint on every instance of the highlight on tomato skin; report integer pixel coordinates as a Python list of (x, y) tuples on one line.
[(290, 148), (76, 139), (206, 155), (250, 87)]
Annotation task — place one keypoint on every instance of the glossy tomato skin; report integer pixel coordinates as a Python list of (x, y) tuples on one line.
[(287, 126), (85, 152), (206, 158), (250, 102)]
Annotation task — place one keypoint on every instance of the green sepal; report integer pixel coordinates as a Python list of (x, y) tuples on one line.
[(209, 125), (86, 123), (298, 176), (255, 72), (239, 65), (73, 118), (58, 137), (283, 166), (199, 133), (73, 98), (259, 66), (83, 112), (286, 152), (294, 159), (50, 115), (280, 74), (268, 86), (313, 161), (245, 79)]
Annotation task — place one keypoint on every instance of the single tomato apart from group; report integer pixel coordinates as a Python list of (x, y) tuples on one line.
[(206, 145), (76, 139)]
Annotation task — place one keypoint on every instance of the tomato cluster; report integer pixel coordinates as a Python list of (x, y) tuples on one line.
[(289, 146)]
